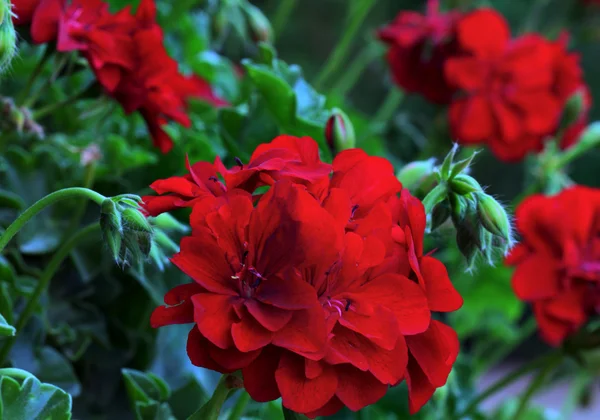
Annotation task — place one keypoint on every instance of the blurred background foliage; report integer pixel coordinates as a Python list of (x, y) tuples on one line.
[(91, 336)]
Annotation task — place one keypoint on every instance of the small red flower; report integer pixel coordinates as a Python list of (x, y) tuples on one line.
[(557, 267), (419, 46), (512, 92)]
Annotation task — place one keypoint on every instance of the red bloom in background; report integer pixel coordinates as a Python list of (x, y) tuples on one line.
[(127, 55), (512, 93), (23, 11), (288, 157), (557, 267), (419, 46), (322, 291)]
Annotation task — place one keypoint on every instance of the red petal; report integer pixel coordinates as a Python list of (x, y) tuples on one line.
[(435, 350), (270, 317), (198, 352), (358, 389), (203, 260), (214, 315), (403, 297), (300, 394), (232, 359), (305, 333), (441, 294), (420, 389), (333, 406), (380, 326), (259, 376), (289, 293), (483, 32), (249, 335), (180, 309), (536, 277)]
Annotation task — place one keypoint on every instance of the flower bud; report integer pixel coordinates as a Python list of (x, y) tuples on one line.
[(493, 216), (133, 219), (8, 36), (446, 167), (458, 208), (574, 108), (440, 214), (168, 223), (464, 185), (414, 174), (339, 132), (111, 226), (467, 246), (260, 27)]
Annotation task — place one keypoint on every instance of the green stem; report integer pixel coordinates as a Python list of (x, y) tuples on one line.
[(283, 13), (50, 108), (61, 62), (34, 75), (78, 212), (509, 379), (338, 56), (41, 204), (212, 408), (434, 197), (369, 53), (536, 383), (389, 106), (44, 281), (240, 406), (503, 351)]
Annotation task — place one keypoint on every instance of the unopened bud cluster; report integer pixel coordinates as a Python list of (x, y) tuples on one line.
[(8, 36), (163, 246), (482, 224), (125, 229)]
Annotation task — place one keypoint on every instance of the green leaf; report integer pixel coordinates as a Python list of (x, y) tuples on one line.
[(6, 329), (145, 387), (24, 397), (56, 369), (153, 411)]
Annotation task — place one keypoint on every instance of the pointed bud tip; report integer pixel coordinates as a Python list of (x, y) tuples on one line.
[(339, 132)]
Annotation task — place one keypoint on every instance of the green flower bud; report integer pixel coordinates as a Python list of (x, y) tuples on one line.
[(458, 208), (446, 167), (260, 27), (467, 246), (464, 184), (168, 223), (339, 132), (111, 226), (8, 36), (133, 219), (462, 166), (414, 174), (440, 214), (493, 216)]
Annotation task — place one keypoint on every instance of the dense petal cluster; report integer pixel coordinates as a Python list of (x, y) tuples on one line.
[(557, 267), (512, 92), (419, 45), (508, 93), (126, 53), (318, 288)]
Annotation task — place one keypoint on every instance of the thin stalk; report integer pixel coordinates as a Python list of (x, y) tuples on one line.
[(240, 406), (34, 75), (509, 379), (336, 59), (50, 108), (61, 62), (536, 384), (41, 204), (369, 53), (434, 197), (282, 15), (44, 282), (212, 408)]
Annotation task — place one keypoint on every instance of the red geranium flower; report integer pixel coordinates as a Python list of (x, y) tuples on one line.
[(247, 294), (331, 303), (512, 92), (23, 11), (419, 46), (557, 267), (288, 157)]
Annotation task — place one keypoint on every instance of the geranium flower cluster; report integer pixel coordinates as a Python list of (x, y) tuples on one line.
[(126, 53), (508, 93), (558, 264), (310, 278)]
